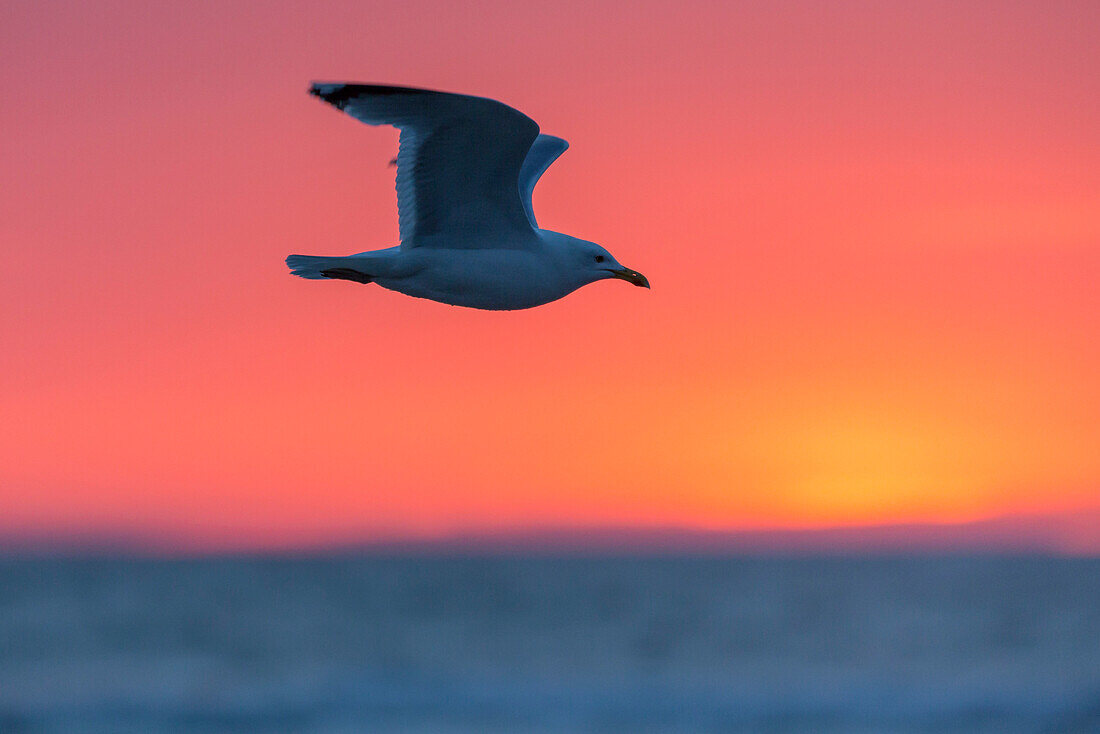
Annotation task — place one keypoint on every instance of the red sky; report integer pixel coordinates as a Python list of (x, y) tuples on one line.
[(872, 230)]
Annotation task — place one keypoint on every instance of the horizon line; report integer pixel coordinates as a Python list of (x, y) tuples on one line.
[(1070, 533)]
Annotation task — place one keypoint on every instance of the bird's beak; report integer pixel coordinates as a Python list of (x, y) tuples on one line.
[(631, 276)]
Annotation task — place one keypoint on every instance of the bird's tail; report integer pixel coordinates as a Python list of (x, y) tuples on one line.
[(315, 267)]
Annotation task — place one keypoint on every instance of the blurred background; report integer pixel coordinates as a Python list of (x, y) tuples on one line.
[(837, 471), (510, 643)]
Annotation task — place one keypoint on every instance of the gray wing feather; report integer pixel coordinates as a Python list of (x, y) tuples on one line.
[(545, 150), (458, 161)]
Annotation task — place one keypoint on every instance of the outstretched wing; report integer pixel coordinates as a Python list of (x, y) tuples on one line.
[(544, 151), (458, 162)]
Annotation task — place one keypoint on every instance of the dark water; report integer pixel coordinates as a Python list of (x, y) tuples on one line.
[(355, 644)]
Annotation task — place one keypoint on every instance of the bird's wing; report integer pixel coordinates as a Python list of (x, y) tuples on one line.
[(458, 163), (544, 151)]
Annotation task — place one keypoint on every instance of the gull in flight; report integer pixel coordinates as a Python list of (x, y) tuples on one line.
[(466, 167)]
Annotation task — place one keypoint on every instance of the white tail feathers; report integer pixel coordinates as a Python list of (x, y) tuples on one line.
[(315, 267), (311, 266)]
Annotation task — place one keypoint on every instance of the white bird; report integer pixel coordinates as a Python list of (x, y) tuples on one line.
[(466, 167)]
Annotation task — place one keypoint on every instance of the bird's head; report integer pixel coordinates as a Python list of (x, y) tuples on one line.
[(595, 263)]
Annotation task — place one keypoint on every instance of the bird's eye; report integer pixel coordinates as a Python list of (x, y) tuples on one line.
[(599, 258)]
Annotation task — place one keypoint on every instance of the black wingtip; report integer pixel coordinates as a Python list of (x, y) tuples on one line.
[(347, 274), (339, 94), (335, 94)]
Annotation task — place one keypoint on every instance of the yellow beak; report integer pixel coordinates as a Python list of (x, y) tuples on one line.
[(631, 276)]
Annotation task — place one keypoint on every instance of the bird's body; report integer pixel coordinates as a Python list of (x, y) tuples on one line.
[(493, 278), (466, 170)]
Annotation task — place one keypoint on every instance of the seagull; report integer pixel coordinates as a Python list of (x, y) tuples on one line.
[(466, 167)]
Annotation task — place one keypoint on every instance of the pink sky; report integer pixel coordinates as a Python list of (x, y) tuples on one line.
[(872, 230)]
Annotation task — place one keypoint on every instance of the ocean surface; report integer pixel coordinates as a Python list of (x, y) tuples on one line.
[(507, 644)]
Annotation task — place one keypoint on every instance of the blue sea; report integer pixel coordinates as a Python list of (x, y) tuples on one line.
[(348, 643)]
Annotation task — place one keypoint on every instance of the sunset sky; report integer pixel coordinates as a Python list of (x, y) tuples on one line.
[(872, 231)]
